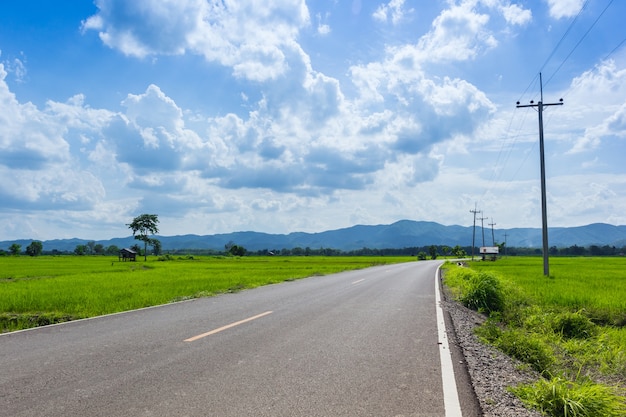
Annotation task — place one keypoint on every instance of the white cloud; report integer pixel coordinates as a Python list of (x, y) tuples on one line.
[(600, 105), (516, 14), (322, 28), (39, 170), (16, 67), (248, 36), (393, 11), (564, 8), (153, 109), (458, 34), (29, 139)]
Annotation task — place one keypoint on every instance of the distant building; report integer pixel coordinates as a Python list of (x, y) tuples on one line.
[(127, 254), (491, 251)]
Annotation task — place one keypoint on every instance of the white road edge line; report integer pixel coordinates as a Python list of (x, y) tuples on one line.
[(451, 403)]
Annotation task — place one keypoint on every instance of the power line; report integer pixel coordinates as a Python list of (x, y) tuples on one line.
[(580, 41), (614, 49), (571, 25)]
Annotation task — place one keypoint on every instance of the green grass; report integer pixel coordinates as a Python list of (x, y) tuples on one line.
[(43, 290), (560, 397), (596, 285), (570, 328)]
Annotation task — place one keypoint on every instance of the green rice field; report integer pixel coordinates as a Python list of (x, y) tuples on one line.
[(43, 290), (596, 285), (569, 327)]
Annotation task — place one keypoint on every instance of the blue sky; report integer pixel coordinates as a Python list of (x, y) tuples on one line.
[(290, 115)]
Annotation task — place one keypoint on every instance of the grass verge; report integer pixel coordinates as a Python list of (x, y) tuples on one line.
[(569, 328)]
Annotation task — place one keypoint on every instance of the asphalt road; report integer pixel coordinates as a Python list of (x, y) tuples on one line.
[(359, 343)]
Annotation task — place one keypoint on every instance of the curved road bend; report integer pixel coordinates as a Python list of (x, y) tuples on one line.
[(359, 343)]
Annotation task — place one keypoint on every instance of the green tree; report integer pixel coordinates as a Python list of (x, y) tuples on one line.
[(112, 250), (15, 249), (156, 246), (142, 226), (458, 251), (80, 250), (236, 250), (136, 248), (432, 250), (98, 249), (34, 249), (90, 247)]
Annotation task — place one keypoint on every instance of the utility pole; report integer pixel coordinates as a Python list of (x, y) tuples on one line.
[(474, 229), (505, 235), (544, 210), (493, 238), (482, 227)]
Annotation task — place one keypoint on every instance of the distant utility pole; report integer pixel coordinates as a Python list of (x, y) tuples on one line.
[(482, 227), (544, 210), (493, 238), (505, 235), (474, 229)]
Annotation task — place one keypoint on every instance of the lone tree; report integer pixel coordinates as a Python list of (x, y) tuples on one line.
[(15, 249), (34, 249), (141, 226)]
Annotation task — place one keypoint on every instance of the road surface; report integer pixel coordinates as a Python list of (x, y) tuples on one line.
[(359, 343)]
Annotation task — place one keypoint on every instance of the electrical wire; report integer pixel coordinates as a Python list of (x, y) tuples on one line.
[(579, 42), (498, 170), (571, 25)]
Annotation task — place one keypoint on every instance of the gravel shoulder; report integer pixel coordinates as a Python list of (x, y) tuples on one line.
[(490, 370)]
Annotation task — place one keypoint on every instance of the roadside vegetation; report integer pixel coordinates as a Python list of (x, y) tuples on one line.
[(36, 291), (570, 328)]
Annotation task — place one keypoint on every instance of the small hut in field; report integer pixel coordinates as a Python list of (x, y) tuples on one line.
[(127, 254)]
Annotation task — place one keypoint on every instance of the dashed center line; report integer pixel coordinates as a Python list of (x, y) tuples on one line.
[(228, 326), (357, 281)]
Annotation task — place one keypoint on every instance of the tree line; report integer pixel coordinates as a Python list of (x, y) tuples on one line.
[(145, 226), (35, 248)]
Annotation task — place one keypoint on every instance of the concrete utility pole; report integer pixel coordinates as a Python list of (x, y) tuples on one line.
[(544, 210), (482, 227), (474, 229), (493, 238), (505, 235)]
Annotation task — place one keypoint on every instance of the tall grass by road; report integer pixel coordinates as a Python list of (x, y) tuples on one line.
[(43, 290), (570, 327)]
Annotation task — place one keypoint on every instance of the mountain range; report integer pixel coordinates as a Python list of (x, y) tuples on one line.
[(401, 234)]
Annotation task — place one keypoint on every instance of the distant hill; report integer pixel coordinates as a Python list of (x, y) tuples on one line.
[(404, 233)]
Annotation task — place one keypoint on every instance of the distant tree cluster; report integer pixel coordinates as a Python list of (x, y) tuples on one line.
[(15, 249), (574, 250), (34, 249), (427, 252)]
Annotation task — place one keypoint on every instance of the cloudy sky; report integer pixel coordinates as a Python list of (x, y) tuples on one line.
[(291, 115)]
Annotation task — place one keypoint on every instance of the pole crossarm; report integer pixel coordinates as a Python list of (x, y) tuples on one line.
[(560, 103)]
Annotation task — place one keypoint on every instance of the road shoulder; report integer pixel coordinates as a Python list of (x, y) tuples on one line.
[(489, 371)]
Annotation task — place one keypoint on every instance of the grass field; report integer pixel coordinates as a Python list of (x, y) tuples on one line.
[(42, 290), (596, 285), (570, 327)]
